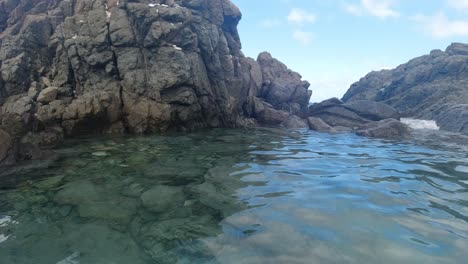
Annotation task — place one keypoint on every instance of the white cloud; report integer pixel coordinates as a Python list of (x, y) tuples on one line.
[(463, 4), (303, 37), (300, 16), (378, 8), (440, 26)]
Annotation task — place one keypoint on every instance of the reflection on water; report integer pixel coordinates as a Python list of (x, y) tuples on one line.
[(242, 196)]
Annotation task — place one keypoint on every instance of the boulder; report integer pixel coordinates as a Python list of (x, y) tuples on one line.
[(281, 86), (319, 125), (47, 95), (341, 116), (163, 198), (386, 129), (294, 122), (271, 116), (318, 107), (374, 111), (351, 115)]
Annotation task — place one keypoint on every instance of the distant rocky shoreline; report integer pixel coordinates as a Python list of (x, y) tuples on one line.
[(430, 87)]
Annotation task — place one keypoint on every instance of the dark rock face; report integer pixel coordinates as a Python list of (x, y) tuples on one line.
[(372, 110), (366, 118), (387, 129), (282, 87), (452, 117), (354, 114), (70, 67), (421, 87), (6, 145), (295, 122)]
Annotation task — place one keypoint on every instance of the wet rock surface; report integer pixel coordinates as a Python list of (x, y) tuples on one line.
[(106, 66)]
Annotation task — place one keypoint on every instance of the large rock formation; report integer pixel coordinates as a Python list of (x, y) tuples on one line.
[(365, 117), (69, 67), (433, 86)]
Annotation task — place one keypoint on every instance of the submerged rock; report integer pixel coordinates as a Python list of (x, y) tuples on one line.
[(162, 198), (72, 259), (78, 192)]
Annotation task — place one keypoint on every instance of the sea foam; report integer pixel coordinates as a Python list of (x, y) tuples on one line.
[(420, 124)]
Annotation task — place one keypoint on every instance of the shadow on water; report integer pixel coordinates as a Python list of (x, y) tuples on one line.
[(240, 196)]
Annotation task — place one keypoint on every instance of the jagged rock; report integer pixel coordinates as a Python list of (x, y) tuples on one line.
[(47, 138), (294, 122), (319, 125), (48, 95), (387, 129), (282, 87), (341, 116), (6, 144), (335, 113), (318, 107), (374, 111), (271, 116), (452, 117), (133, 67), (422, 86)]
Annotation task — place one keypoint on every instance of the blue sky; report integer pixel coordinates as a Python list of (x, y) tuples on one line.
[(333, 43)]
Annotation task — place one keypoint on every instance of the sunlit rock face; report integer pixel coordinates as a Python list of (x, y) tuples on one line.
[(113, 66)]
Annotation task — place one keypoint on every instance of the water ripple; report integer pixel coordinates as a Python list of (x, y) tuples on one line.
[(235, 196)]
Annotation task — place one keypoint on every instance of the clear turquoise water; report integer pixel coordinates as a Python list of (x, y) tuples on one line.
[(241, 196)]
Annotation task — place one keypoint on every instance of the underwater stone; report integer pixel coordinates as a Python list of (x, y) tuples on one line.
[(162, 198)]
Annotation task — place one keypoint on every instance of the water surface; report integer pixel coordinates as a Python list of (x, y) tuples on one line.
[(241, 196)]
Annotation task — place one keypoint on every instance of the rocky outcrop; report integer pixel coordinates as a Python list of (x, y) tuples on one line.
[(83, 66), (317, 124), (295, 122), (364, 117), (387, 129), (452, 117), (352, 115), (433, 86)]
